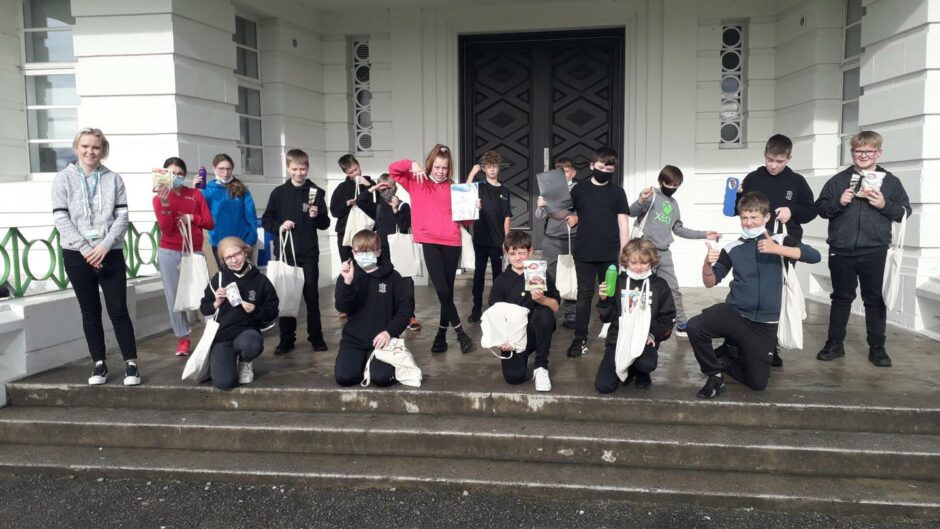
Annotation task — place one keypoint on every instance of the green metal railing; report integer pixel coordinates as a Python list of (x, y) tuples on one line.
[(17, 272)]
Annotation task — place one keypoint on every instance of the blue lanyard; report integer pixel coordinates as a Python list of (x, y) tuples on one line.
[(90, 195)]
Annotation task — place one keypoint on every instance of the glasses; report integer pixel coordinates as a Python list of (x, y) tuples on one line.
[(224, 169), (234, 257), (178, 175), (863, 154)]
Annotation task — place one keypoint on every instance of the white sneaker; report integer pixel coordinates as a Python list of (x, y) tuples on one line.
[(246, 375), (131, 375), (542, 382), (99, 375)]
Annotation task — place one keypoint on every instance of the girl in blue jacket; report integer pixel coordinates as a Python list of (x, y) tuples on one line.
[(231, 204)]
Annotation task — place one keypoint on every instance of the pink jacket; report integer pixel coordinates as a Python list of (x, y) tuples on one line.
[(431, 218)]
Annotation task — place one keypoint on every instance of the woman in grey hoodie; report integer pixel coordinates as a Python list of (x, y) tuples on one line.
[(90, 212)]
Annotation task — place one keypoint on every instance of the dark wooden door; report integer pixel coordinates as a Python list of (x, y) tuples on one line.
[(537, 97)]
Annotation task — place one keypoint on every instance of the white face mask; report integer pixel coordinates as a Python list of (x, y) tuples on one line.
[(752, 233), (223, 180), (639, 277), (366, 260)]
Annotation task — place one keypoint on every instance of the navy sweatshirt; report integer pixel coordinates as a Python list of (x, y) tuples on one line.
[(376, 302), (289, 202), (786, 190), (386, 220), (253, 287), (346, 190)]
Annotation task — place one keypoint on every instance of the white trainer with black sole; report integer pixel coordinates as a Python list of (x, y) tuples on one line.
[(542, 381), (246, 374)]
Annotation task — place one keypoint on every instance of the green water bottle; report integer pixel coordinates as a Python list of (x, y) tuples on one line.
[(611, 280)]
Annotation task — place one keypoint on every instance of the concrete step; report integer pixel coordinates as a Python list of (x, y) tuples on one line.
[(805, 410), (870, 497), (795, 452)]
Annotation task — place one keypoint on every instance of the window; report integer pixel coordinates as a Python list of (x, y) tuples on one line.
[(851, 86), (362, 96), (51, 98), (731, 113), (248, 74)]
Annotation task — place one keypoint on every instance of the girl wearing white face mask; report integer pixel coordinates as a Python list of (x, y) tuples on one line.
[(172, 205), (231, 204), (433, 226), (637, 259)]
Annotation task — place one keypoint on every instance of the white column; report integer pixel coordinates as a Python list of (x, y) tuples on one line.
[(12, 95)]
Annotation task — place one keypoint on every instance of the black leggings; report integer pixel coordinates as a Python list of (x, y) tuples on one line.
[(482, 255), (441, 262), (224, 357), (538, 339), (112, 278), (351, 364)]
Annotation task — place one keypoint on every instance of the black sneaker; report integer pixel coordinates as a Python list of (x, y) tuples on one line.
[(466, 343), (131, 375), (776, 361), (474, 316), (318, 344), (831, 351), (283, 348), (643, 381), (99, 375), (569, 323), (578, 348), (878, 356), (440, 342), (713, 387)]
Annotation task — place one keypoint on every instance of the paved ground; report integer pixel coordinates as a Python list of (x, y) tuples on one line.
[(67, 502)]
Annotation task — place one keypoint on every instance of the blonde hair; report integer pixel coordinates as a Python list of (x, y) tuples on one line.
[(298, 157), (229, 242), (89, 131), (867, 137), (646, 249)]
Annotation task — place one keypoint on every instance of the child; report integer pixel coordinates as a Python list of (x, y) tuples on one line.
[(542, 305), (555, 240), (491, 228), (637, 259), (659, 228), (439, 236), (289, 208), (601, 210), (238, 341), (749, 315), (344, 197), (859, 236), (231, 204), (378, 302)]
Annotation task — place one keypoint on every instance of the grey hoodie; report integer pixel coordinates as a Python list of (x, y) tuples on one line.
[(664, 222), (554, 228), (79, 217)]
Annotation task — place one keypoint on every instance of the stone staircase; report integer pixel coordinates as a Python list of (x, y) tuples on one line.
[(809, 452)]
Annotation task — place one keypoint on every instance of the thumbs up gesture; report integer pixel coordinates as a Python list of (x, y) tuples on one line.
[(767, 245)]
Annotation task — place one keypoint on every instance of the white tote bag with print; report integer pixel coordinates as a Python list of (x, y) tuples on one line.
[(891, 290), (636, 313), (288, 280), (404, 254), (197, 365), (638, 226), (567, 280), (792, 308), (356, 221), (194, 272), (467, 253)]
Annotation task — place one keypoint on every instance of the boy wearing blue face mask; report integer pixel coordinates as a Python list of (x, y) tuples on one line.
[(749, 315), (378, 303)]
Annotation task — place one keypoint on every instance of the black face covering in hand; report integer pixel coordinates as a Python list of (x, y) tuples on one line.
[(600, 176), (668, 191)]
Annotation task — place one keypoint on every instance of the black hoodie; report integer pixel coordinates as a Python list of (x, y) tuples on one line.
[(387, 221), (289, 202), (346, 190), (663, 309), (786, 190), (253, 287), (376, 302)]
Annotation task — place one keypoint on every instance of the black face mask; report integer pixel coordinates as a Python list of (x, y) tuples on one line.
[(668, 191), (600, 176)]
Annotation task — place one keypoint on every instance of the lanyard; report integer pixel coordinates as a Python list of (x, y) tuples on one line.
[(90, 195)]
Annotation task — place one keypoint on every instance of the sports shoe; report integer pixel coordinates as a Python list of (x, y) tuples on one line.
[(440, 341), (284, 348), (265, 327), (713, 387), (318, 344), (569, 323), (578, 348), (831, 351), (182, 346), (474, 316), (466, 343), (643, 381), (131, 375), (776, 361), (878, 356), (99, 375), (542, 382), (414, 326), (681, 329), (246, 375)]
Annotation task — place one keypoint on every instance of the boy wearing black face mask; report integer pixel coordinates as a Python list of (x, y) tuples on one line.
[(659, 228)]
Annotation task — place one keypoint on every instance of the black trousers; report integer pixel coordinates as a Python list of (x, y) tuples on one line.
[(847, 274), (351, 363), (224, 357), (441, 262), (112, 278), (345, 252), (590, 274), (288, 326), (482, 254), (755, 342), (607, 380), (538, 339)]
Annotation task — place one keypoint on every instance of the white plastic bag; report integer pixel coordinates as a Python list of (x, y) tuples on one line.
[(792, 308), (194, 272), (197, 365), (567, 276), (891, 290), (634, 327), (288, 280), (467, 253), (404, 254)]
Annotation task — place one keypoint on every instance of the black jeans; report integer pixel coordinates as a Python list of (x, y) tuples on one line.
[(847, 273), (589, 275), (441, 262), (112, 278), (538, 339), (607, 380), (755, 342), (351, 363), (288, 326), (224, 357), (345, 252), (482, 254)]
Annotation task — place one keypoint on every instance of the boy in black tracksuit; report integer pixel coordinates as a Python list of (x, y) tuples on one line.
[(509, 287), (859, 236), (378, 302), (390, 214), (345, 196), (749, 315), (289, 208), (637, 259), (491, 228)]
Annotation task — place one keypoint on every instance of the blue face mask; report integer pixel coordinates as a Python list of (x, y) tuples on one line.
[(178, 182), (366, 260), (752, 233)]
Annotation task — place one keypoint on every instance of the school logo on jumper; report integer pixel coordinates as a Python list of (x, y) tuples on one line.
[(304, 207), (251, 296), (789, 195), (665, 216), (382, 288)]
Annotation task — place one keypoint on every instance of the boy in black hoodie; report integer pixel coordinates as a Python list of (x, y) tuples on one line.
[(378, 303), (345, 197), (859, 235), (299, 205), (238, 341), (637, 259)]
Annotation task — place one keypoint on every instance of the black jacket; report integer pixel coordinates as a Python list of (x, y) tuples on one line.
[(788, 189), (860, 228), (509, 287), (386, 220), (376, 302), (664, 309), (346, 190), (288, 202), (255, 288)]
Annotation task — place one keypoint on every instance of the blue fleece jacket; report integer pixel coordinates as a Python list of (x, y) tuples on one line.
[(233, 216)]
